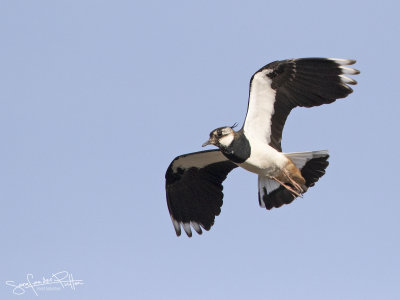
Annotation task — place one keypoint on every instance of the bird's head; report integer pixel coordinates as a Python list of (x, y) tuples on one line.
[(221, 137)]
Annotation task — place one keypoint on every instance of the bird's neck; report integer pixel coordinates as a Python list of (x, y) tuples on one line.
[(238, 150)]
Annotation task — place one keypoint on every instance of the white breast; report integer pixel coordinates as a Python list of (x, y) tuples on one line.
[(264, 160)]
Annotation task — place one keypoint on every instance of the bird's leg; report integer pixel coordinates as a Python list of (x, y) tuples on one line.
[(295, 184), (295, 193)]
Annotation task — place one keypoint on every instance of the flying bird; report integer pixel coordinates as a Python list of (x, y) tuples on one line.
[(194, 180)]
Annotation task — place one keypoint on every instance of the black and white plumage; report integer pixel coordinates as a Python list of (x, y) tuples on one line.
[(194, 181)]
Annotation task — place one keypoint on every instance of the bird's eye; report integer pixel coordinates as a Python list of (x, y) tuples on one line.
[(219, 133)]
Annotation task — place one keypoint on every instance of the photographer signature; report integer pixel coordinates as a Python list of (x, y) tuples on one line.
[(62, 279)]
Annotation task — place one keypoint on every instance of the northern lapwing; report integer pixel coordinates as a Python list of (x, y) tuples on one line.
[(194, 180)]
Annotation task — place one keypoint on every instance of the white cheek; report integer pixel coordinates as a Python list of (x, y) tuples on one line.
[(226, 140)]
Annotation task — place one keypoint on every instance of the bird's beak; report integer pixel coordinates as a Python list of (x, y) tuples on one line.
[(208, 142)]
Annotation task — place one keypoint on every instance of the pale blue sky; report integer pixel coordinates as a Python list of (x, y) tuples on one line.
[(96, 99)]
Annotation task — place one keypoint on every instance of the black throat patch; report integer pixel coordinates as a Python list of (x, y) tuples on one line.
[(239, 150)]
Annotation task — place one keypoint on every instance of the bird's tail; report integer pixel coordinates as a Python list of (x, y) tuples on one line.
[(312, 166)]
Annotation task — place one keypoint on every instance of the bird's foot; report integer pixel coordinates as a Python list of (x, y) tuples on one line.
[(294, 183), (295, 193)]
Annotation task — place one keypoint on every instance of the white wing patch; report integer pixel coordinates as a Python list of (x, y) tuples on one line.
[(343, 61), (176, 225), (198, 160), (196, 227), (347, 80), (349, 71), (261, 107), (186, 227)]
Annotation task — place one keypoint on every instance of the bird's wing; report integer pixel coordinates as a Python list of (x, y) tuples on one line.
[(280, 86), (193, 185)]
